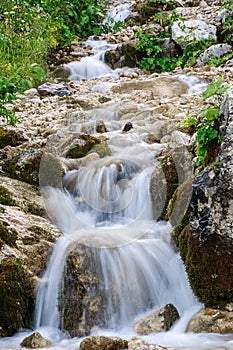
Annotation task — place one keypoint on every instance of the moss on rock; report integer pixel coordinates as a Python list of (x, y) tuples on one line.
[(82, 146), (16, 296), (7, 234), (5, 197), (24, 166)]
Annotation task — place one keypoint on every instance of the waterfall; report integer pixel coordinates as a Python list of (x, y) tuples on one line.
[(107, 206)]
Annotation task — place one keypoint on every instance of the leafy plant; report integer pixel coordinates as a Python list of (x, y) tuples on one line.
[(150, 45), (206, 122)]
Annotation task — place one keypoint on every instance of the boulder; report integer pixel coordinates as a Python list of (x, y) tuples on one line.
[(80, 296), (100, 126), (212, 320), (49, 89), (17, 297), (24, 165), (214, 51), (161, 87), (11, 137), (184, 32), (35, 341), (103, 343), (209, 239), (161, 320)]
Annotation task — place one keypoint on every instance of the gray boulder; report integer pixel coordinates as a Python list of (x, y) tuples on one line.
[(184, 32), (214, 51)]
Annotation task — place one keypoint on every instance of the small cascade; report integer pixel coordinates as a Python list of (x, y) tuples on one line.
[(46, 311), (94, 66)]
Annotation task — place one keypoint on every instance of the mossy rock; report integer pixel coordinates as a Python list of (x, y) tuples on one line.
[(178, 210), (24, 166), (164, 182), (40, 233), (102, 149), (7, 234), (35, 341), (16, 295), (82, 146), (210, 277), (11, 137), (5, 197), (51, 171)]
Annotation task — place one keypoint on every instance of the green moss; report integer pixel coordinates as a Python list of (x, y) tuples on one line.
[(29, 240), (5, 197), (210, 274), (42, 233), (7, 234), (32, 208), (10, 137), (16, 295)]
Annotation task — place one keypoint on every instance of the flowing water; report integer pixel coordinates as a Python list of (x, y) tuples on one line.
[(107, 207)]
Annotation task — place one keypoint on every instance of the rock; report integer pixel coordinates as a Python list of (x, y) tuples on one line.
[(124, 55), (209, 240), (24, 165), (48, 89), (186, 31), (139, 344), (80, 145), (161, 320), (35, 341), (128, 126), (17, 297), (100, 126), (103, 343), (211, 320), (80, 292), (162, 87), (214, 51), (51, 171), (11, 137)]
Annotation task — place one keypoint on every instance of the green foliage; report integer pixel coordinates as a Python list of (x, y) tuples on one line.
[(29, 30), (73, 17), (17, 81), (206, 122), (150, 44)]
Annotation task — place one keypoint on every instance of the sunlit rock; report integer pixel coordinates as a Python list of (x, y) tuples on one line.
[(35, 341), (161, 320), (103, 343), (212, 320), (139, 344), (184, 32)]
